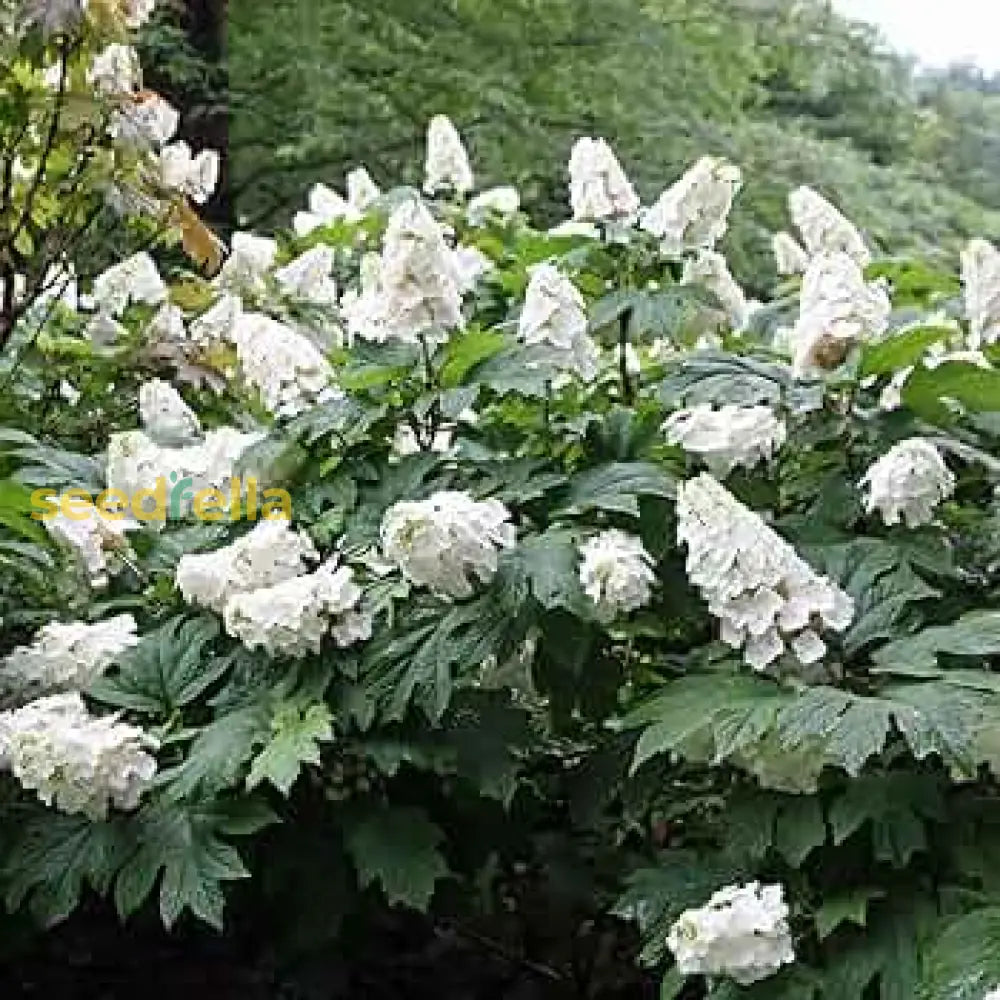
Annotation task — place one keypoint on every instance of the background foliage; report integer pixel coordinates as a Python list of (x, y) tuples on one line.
[(787, 89)]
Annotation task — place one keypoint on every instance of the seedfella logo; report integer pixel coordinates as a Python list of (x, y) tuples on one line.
[(170, 498)]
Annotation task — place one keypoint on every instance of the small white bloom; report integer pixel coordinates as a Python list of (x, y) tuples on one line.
[(78, 762), (470, 265), (728, 437), (420, 283), (218, 322), (599, 190), (270, 554), (308, 277), (405, 441), (290, 618), (993, 994), (362, 191), (710, 270), (981, 283), (194, 176), (168, 324), (447, 168), (908, 482), (616, 572), (693, 214), (764, 595), (742, 932), (134, 280), (250, 259), (164, 415), (824, 229), (662, 351), (363, 308), (571, 228), (67, 656), (447, 540), (937, 355), (837, 310), (325, 208), (69, 392), (500, 203), (554, 316), (138, 12), (789, 257), (96, 539), (115, 70), (147, 120)]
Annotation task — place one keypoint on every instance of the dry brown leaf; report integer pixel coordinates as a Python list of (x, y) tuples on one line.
[(199, 242)]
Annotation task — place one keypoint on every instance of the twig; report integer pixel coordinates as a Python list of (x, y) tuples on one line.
[(502, 951), (628, 396)]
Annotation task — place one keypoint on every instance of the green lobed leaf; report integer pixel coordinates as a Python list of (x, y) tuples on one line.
[(616, 488), (168, 669), (296, 735), (398, 848)]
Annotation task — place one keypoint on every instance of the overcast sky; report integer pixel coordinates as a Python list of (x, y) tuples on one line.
[(938, 32)]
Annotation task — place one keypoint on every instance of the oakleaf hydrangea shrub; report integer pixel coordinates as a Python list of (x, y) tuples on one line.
[(587, 563)]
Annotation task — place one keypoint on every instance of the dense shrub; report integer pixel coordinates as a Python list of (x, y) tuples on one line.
[(604, 590)]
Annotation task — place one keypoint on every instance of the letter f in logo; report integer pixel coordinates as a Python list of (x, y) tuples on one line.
[(180, 491)]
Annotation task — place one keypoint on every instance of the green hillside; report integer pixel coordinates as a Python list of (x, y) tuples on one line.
[(789, 90)]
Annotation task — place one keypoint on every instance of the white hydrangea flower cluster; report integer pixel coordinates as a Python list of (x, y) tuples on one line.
[(981, 285), (290, 618), (554, 316), (420, 285), (710, 270), (741, 932), (136, 462), (78, 762), (824, 229), (908, 482), (447, 169), (287, 368), (115, 70), (135, 280), (501, 203), (599, 190), (164, 415), (67, 655), (196, 177), (616, 572), (447, 540), (993, 994), (727, 437), (789, 257), (308, 277), (96, 539), (765, 596), (693, 213), (837, 310), (269, 554)]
